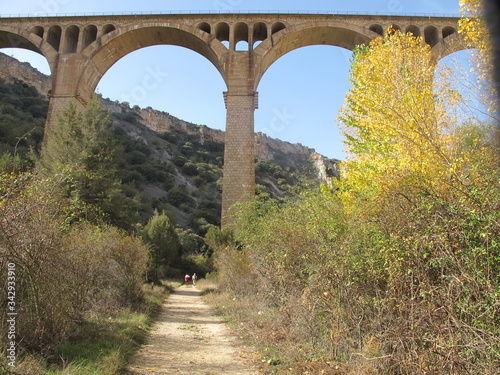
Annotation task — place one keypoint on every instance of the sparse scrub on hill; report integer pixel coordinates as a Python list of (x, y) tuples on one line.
[(142, 165), (397, 271)]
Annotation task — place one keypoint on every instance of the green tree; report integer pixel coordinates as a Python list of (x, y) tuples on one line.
[(82, 145), (165, 251), (191, 242)]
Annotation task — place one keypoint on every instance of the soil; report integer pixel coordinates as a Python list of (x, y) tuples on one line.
[(189, 338)]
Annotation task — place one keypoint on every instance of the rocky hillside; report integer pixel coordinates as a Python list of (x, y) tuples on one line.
[(266, 148), (172, 164), (12, 68)]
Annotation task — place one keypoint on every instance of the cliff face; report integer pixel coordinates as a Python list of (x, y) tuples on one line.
[(266, 148), (24, 72)]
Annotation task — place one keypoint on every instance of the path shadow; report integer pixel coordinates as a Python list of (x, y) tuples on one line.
[(188, 320), (187, 292)]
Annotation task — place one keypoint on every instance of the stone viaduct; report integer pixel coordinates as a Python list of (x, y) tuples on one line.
[(80, 49)]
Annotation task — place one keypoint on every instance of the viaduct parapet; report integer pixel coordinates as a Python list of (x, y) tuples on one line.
[(80, 49)]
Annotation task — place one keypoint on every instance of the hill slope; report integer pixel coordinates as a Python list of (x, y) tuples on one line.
[(168, 163)]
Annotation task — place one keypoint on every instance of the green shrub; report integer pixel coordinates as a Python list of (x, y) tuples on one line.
[(165, 248), (63, 271), (190, 169), (178, 196)]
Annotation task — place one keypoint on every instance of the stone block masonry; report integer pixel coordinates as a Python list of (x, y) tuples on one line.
[(239, 152)]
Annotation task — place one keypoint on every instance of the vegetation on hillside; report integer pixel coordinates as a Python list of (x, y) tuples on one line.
[(106, 212), (397, 270), (145, 171), (22, 120)]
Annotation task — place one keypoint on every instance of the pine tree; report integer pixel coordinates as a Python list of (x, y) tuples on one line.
[(82, 146), (165, 251)]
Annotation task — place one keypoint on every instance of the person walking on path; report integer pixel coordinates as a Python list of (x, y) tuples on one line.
[(194, 278)]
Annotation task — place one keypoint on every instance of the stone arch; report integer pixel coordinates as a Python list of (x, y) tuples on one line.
[(377, 29), (452, 43), (240, 35), (11, 39), (431, 35), (106, 29), (204, 26), (89, 35), (447, 31), (222, 32), (414, 30), (38, 30), (54, 37), (132, 39), (341, 35), (395, 27), (277, 26), (71, 35), (259, 32), (17, 38)]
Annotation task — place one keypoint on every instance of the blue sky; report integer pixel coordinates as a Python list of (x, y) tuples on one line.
[(299, 95)]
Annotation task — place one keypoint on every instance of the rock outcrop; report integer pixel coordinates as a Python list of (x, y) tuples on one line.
[(24, 72)]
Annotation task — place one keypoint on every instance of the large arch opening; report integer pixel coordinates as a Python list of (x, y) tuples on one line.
[(324, 72), (300, 96), (168, 78), (186, 90)]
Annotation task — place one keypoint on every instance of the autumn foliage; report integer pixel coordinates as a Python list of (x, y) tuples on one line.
[(396, 270)]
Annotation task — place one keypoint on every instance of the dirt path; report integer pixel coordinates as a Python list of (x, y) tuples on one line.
[(189, 338)]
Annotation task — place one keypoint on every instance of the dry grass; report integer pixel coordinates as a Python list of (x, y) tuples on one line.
[(207, 286)]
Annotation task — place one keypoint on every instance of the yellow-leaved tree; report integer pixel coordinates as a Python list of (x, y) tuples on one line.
[(397, 130), (473, 27), (429, 183)]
